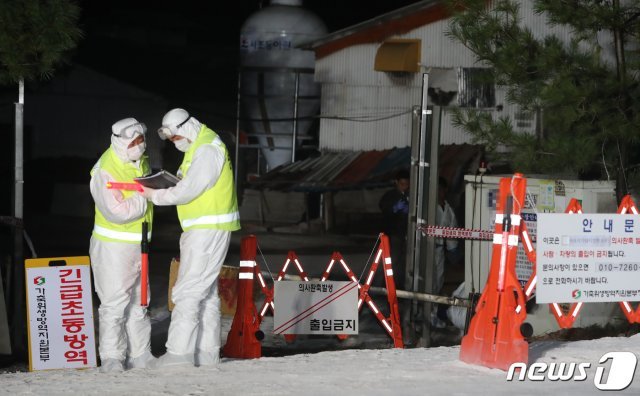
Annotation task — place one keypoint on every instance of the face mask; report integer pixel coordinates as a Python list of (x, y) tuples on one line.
[(182, 144), (134, 153)]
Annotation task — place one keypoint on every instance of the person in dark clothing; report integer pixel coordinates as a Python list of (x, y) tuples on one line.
[(394, 205)]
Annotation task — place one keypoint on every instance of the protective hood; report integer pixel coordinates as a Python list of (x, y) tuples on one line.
[(123, 133), (178, 122), (190, 129)]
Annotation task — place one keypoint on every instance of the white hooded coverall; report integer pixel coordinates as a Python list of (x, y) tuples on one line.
[(194, 331), (124, 326), (445, 217)]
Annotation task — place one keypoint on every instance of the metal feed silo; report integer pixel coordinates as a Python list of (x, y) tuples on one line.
[(277, 94)]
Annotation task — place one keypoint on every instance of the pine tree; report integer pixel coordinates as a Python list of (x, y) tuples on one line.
[(35, 35), (587, 109)]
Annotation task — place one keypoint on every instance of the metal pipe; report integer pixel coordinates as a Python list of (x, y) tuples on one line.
[(18, 208), (18, 317), (261, 146), (425, 297), (411, 253), (422, 273), (407, 295), (280, 134), (413, 246), (238, 104), (429, 203), (295, 119)]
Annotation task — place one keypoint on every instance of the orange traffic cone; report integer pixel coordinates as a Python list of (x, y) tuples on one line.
[(245, 335)]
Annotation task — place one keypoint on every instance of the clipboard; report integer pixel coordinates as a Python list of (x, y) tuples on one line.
[(159, 180)]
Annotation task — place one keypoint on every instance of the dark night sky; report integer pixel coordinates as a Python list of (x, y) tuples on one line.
[(183, 50), (188, 49)]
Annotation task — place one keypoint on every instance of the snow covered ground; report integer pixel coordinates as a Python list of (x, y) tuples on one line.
[(419, 371), (370, 368)]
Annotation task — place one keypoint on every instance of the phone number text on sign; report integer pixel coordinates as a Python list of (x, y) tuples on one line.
[(588, 258)]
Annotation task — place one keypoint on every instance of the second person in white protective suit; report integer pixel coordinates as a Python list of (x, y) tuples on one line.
[(208, 213), (124, 325), (445, 217)]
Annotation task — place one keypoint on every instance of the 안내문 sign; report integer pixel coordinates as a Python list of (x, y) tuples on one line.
[(588, 258)]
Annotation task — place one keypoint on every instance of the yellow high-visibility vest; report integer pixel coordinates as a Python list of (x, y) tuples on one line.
[(217, 207), (129, 232)]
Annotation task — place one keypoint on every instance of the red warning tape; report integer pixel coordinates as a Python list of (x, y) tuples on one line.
[(457, 233)]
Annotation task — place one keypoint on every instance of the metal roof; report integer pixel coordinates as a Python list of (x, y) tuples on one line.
[(337, 171), (354, 170), (386, 25)]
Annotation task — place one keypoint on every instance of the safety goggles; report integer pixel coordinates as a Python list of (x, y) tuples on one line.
[(131, 131), (166, 132)]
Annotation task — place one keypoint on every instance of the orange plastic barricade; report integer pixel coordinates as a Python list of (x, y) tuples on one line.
[(494, 338), (566, 319), (268, 305), (268, 292), (244, 337), (392, 323), (633, 316)]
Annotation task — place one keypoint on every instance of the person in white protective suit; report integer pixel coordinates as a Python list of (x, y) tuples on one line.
[(445, 217), (208, 212), (458, 315), (124, 325)]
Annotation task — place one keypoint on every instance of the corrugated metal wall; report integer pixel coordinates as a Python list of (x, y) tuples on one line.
[(366, 117), (364, 109)]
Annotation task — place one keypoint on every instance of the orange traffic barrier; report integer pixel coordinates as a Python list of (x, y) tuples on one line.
[(391, 324), (268, 291), (268, 305), (245, 335), (633, 316), (494, 338), (566, 318)]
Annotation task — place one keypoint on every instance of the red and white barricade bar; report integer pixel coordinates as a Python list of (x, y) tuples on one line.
[(456, 233), (494, 338), (247, 319), (391, 324), (566, 317), (268, 305)]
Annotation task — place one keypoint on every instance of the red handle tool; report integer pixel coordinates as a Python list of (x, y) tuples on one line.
[(124, 186)]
